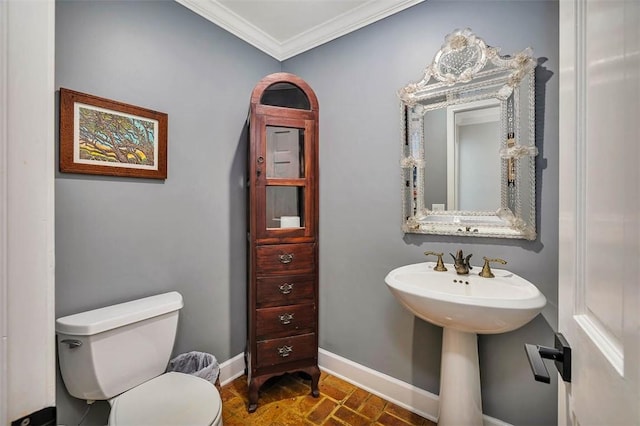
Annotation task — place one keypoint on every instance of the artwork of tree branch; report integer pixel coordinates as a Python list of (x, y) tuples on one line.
[(115, 138), (105, 137)]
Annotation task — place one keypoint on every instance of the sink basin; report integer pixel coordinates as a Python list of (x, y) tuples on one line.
[(464, 305), (467, 303)]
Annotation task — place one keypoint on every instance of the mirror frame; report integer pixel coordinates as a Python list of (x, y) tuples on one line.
[(466, 70)]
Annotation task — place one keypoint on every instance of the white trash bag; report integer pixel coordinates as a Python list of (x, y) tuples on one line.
[(199, 364)]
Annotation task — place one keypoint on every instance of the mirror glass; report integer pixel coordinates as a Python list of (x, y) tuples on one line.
[(468, 143)]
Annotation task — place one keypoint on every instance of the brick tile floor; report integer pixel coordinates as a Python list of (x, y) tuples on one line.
[(285, 401)]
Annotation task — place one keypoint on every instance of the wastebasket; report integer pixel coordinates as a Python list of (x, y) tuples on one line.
[(200, 364)]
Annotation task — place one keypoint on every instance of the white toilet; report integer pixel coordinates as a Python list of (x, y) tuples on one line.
[(119, 353)]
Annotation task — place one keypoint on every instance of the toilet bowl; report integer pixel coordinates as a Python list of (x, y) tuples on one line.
[(119, 353), (174, 399)]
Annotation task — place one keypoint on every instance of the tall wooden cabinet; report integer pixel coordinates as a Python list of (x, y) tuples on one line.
[(282, 318)]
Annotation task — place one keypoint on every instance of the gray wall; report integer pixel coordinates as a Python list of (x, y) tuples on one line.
[(356, 79), (478, 166), (119, 239)]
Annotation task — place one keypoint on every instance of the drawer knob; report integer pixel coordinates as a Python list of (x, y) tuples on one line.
[(285, 351), (286, 258), (286, 288), (286, 318)]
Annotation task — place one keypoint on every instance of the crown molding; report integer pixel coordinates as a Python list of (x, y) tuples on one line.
[(345, 23), (234, 23)]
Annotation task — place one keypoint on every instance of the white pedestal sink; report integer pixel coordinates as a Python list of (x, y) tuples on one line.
[(464, 305)]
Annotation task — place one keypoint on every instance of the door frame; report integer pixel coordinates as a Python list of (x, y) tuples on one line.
[(27, 157)]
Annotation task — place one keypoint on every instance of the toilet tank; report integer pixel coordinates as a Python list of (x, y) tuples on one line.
[(107, 351)]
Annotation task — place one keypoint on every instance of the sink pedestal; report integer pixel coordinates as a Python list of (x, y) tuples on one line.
[(460, 402)]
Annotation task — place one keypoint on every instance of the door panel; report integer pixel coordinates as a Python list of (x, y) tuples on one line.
[(599, 249), (284, 163)]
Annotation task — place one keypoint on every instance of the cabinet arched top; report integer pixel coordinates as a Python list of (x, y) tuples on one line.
[(302, 97)]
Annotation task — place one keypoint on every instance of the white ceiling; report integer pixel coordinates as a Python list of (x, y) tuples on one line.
[(285, 28)]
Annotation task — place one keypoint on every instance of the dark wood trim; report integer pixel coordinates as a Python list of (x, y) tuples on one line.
[(68, 99)]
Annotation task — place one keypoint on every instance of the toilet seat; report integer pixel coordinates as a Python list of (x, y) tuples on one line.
[(172, 399)]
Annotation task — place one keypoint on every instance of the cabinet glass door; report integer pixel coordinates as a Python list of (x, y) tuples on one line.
[(285, 163), (285, 160)]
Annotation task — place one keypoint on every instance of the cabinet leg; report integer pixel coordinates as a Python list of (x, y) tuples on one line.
[(314, 372), (254, 387), (255, 384)]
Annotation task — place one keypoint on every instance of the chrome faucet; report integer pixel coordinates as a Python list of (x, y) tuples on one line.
[(461, 263)]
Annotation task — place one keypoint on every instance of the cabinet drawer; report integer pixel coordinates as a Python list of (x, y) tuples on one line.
[(287, 320), (287, 349), (284, 290), (285, 259)]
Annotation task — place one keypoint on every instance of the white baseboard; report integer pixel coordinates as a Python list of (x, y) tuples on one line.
[(403, 394), (231, 369)]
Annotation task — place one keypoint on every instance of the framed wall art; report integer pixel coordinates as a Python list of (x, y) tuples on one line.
[(99, 136)]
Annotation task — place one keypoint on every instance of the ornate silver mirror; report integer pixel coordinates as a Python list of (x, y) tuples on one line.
[(468, 143)]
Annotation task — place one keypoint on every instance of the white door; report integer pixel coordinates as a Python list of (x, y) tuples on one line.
[(27, 336), (599, 253)]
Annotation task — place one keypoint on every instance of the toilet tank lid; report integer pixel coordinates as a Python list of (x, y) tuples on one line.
[(103, 319)]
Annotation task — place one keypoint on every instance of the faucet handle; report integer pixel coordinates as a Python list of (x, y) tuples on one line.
[(486, 269), (439, 266)]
